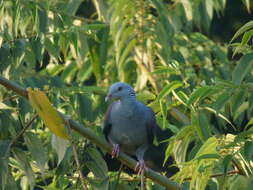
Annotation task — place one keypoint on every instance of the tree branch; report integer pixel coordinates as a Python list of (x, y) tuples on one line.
[(89, 134)]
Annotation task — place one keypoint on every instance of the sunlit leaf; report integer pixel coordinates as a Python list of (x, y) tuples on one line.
[(37, 150), (5, 107), (60, 146), (243, 29), (47, 112), (25, 166), (96, 163), (187, 9), (168, 88), (242, 69), (199, 94)]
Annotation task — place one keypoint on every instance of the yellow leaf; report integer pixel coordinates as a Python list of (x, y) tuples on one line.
[(47, 112)]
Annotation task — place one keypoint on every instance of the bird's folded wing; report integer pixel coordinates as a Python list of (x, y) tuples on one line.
[(107, 125)]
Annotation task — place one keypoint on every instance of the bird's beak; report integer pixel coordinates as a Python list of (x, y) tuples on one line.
[(108, 97)]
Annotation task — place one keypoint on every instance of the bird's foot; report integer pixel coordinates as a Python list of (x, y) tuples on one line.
[(140, 167), (115, 151)]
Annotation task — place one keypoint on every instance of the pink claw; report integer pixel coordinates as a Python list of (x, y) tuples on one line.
[(115, 151), (140, 167)]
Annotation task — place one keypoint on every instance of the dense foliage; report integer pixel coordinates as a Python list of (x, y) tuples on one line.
[(75, 49)]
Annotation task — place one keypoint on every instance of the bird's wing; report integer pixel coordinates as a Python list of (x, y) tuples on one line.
[(107, 122), (151, 125)]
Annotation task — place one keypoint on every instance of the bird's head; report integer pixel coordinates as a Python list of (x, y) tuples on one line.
[(120, 91)]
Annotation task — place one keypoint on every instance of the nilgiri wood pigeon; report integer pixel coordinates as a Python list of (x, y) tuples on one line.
[(129, 125)]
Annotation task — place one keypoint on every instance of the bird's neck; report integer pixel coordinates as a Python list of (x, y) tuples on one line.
[(128, 103)]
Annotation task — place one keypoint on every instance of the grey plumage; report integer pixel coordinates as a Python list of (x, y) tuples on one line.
[(129, 124)]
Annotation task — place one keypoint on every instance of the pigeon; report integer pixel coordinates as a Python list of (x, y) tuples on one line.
[(129, 125)]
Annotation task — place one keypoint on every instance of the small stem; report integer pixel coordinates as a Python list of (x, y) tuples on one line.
[(118, 176), (25, 128), (22, 131), (76, 155)]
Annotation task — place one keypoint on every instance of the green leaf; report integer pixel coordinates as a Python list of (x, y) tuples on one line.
[(220, 115), (145, 96), (94, 55), (209, 147), (246, 37), (36, 147), (241, 109), (168, 88), (248, 150), (181, 97), (209, 9), (11, 182), (85, 72), (221, 100), (96, 163), (208, 156), (103, 48), (95, 26), (183, 138), (21, 157), (166, 70), (72, 6), (226, 163), (60, 146), (85, 107), (243, 29), (199, 94), (126, 51), (19, 48), (54, 70), (52, 48), (169, 150), (43, 20), (4, 157), (164, 109), (237, 99), (201, 125), (99, 184), (204, 125), (242, 69), (187, 9), (69, 72), (5, 107)]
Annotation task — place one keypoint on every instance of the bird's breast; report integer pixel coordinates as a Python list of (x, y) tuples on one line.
[(128, 131)]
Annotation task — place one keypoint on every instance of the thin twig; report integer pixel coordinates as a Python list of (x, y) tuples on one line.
[(76, 155), (118, 177), (22, 131)]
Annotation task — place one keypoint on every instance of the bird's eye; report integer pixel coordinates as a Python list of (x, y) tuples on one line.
[(120, 88)]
